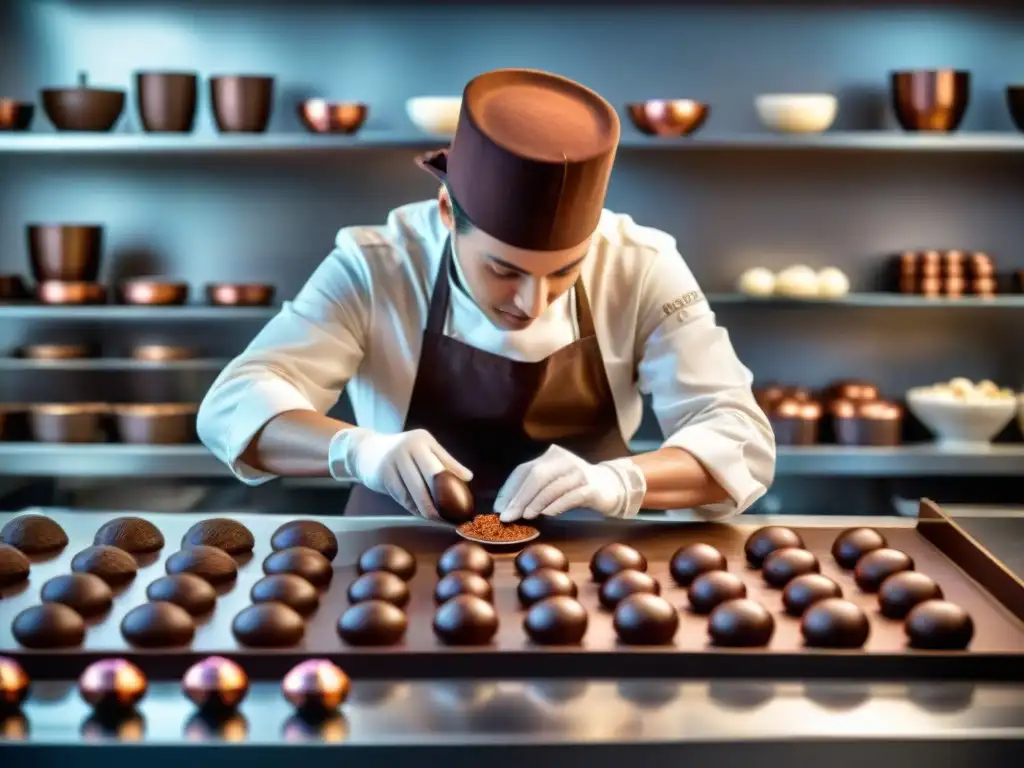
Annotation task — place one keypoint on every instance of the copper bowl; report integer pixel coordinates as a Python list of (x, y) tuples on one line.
[(60, 292), (67, 422), (322, 116), (240, 294), (83, 108), (930, 100), (16, 115), (162, 353), (156, 423), (167, 101), (65, 251), (668, 117), (867, 423), (57, 351), (13, 288), (152, 292), (242, 103), (1015, 101)]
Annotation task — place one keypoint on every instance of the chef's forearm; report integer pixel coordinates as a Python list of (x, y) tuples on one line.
[(676, 480), (294, 444)]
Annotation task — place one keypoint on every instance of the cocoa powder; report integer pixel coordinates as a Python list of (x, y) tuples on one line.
[(490, 528)]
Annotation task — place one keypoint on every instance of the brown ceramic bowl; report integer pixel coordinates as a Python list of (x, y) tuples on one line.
[(242, 103), (153, 424), (66, 292), (162, 353), (930, 100), (13, 288), (65, 251), (83, 108), (14, 422), (57, 351), (152, 292), (867, 423), (322, 116), (167, 101), (668, 117), (16, 115), (67, 422), (1015, 101), (240, 294)]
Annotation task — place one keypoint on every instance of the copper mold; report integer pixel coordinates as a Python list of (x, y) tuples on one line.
[(167, 101), (322, 116), (65, 251), (162, 353), (152, 292), (59, 292), (83, 108), (242, 103), (57, 351), (930, 100), (156, 424), (668, 117), (867, 423), (240, 294), (67, 422), (13, 288), (16, 115)]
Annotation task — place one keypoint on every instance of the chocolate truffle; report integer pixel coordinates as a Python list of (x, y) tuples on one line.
[(186, 590), (764, 541), (740, 624), (372, 622), (14, 685), (462, 583), (132, 534), (34, 535), (713, 588), (452, 497), (465, 620), (379, 585), (612, 558), (302, 561), (50, 625), (294, 591), (112, 685), (690, 562), (14, 566), (216, 685), (556, 621), (852, 544), (222, 533), (158, 625), (87, 594), (268, 625), (875, 567), (645, 619), (210, 563), (939, 625), (544, 583), (902, 591), (388, 557), (466, 556), (113, 565), (316, 687), (537, 556), (835, 623), (626, 583), (784, 565), (804, 591), (306, 533)]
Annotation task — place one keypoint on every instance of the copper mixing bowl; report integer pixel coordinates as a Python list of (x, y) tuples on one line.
[(1015, 101), (15, 115), (65, 251), (668, 117), (240, 294), (67, 422), (322, 116), (67, 292), (152, 292), (242, 103), (156, 424), (83, 108), (930, 100)]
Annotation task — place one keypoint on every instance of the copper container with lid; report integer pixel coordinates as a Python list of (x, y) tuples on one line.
[(61, 292), (240, 294), (795, 421), (83, 108), (152, 292), (930, 100), (155, 423), (16, 115), (668, 117), (67, 422), (68, 252), (867, 423)]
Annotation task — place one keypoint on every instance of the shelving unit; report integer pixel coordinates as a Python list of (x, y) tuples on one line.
[(109, 364)]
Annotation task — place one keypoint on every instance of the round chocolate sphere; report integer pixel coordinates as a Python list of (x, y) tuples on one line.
[(14, 566), (902, 591), (556, 621), (784, 565), (132, 534), (210, 563), (294, 591), (379, 585), (316, 687), (452, 497), (34, 535), (711, 589), (612, 558), (50, 625), (545, 583), (89, 595), (939, 625), (852, 544), (645, 619), (626, 583), (216, 685), (158, 625), (195, 595), (804, 591), (538, 556), (465, 620), (462, 583), (306, 533), (690, 562), (875, 567), (222, 533), (388, 557), (14, 685), (466, 556), (372, 622), (268, 625), (113, 685), (302, 561), (835, 623), (113, 565), (740, 624), (764, 541)]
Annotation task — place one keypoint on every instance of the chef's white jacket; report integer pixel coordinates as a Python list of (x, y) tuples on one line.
[(357, 325)]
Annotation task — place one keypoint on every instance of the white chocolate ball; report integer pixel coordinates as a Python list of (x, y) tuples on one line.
[(757, 281), (833, 282)]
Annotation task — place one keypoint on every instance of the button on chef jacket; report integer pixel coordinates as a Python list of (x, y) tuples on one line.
[(358, 322)]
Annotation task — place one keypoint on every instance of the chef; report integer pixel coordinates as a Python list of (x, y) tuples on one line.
[(505, 332)]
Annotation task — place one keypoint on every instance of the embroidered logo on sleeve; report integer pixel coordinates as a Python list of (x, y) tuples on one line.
[(680, 303)]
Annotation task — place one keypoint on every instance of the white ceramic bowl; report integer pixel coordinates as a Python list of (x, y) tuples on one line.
[(796, 112), (438, 115), (957, 423)]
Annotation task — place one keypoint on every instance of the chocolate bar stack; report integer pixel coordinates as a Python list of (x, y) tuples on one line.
[(947, 274)]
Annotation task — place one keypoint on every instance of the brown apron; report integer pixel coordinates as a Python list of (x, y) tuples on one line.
[(493, 414)]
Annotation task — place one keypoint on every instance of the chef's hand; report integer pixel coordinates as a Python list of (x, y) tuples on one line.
[(397, 465), (560, 480)]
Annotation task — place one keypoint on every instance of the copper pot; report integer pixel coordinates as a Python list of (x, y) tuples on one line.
[(770, 396), (240, 294), (15, 115), (930, 100), (668, 117), (58, 351), (856, 391), (167, 101), (67, 422), (13, 288), (867, 423), (321, 116), (13, 422), (58, 292), (162, 353), (83, 108), (242, 103), (795, 421), (152, 424), (1015, 101), (65, 251), (152, 292)]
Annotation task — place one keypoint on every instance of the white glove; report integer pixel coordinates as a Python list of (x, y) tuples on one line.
[(559, 480), (400, 466)]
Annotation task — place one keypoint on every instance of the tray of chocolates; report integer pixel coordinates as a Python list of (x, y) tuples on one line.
[(402, 598)]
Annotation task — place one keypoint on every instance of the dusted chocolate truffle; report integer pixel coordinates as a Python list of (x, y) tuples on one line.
[(875, 567), (783, 565), (112, 685), (294, 591), (14, 685), (612, 558), (87, 594), (852, 544), (187, 590), (379, 585), (740, 624), (713, 588), (34, 534), (302, 561), (222, 533), (556, 621), (388, 557), (835, 623), (113, 565), (132, 534), (690, 562), (316, 687), (626, 583), (158, 625), (50, 625), (537, 556), (452, 497), (465, 620), (372, 622), (306, 533), (545, 583), (764, 541), (804, 591), (14, 566), (902, 591), (210, 563), (645, 619), (466, 556), (216, 685), (939, 625), (462, 583), (268, 625)]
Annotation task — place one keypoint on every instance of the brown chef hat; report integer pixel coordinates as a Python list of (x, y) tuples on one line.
[(530, 159)]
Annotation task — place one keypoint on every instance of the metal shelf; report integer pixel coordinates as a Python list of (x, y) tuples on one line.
[(871, 300), (109, 364), (115, 312)]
